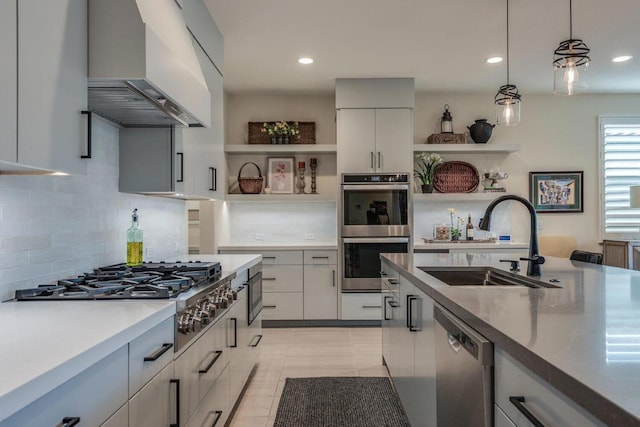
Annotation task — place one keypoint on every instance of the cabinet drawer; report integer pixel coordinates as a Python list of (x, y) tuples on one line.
[(282, 306), (215, 407), (546, 403), (93, 395), (365, 306), (320, 257), (149, 353), (281, 257), (282, 278), (154, 405)]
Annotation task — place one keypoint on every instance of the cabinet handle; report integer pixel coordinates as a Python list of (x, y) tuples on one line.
[(177, 383), (214, 179), (412, 327), (393, 281), (518, 401), (269, 278), (333, 278), (69, 421), (268, 306), (371, 306), (181, 163), (268, 257), (218, 415), (159, 352), (386, 301), (372, 160), (409, 311), (235, 332), (393, 304), (382, 273), (213, 361), (89, 115), (379, 161), (257, 342)]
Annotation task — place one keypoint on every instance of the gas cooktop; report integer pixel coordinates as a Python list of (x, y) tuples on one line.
[(151, 280)]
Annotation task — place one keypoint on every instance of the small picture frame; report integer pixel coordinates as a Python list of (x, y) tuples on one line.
[(281, 174), (556, 192)]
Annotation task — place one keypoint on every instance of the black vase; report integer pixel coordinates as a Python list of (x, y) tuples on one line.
[(480, 131)]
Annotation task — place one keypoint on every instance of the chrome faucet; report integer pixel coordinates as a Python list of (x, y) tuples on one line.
[(533, 267)]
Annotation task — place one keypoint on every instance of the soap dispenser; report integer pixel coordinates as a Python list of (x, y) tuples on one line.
[(134, 241)]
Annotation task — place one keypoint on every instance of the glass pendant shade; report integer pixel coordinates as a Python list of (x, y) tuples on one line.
[(507, 103), (570, 67)]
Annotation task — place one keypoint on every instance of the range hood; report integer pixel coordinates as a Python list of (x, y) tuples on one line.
[(143, 68)]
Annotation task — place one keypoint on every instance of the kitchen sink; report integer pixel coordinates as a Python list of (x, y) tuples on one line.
[(482, 276)]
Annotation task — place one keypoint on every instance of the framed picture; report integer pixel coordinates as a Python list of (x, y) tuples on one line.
[(281, 174), (556, 191)]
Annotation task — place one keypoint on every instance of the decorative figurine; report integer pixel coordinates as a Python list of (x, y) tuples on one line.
[(313, 164), (301, 183)]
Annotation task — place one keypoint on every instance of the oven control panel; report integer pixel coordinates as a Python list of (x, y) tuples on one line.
[(383, 178)]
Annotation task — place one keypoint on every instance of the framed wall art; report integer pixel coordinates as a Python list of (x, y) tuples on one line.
[(556, 191), (281, 175)]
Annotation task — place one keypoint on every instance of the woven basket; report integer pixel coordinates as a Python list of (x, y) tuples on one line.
[(307, 133), (250, 185), (456, 177)]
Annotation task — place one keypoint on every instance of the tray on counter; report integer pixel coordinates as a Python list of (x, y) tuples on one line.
[(460, 241)]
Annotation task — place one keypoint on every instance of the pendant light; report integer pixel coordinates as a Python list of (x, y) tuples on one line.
[(570, 63), (507, 99)]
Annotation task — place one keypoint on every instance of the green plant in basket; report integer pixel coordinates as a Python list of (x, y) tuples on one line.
[(281, 128), (426, 167)]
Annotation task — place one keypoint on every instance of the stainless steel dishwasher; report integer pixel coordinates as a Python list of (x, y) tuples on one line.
[(464, 373)]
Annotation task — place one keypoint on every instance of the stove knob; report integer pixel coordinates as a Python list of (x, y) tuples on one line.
[(185, 323)]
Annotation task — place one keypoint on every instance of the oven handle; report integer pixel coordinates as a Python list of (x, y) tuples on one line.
[(347, 187), (376, 240)]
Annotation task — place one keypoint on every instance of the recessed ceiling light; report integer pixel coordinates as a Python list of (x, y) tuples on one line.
[(494, 60), (622, 58), (305, 61)]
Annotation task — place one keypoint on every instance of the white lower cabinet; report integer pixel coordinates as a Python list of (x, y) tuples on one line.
[(215, 407), (361, 306), (408, 348), (154, 404), (548, 405), (238, 343), (282, 306), (149, 353), (320, 291), (92, 396)]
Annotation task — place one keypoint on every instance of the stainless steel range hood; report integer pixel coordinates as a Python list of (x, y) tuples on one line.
[(143, 69)]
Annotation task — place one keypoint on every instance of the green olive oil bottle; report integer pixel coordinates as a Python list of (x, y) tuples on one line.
[(134, 241)]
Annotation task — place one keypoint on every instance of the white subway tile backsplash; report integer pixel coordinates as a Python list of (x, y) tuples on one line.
[(52, 227)]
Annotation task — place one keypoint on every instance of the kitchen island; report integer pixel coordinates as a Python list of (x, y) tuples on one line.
[(48, 343), (581, 337)]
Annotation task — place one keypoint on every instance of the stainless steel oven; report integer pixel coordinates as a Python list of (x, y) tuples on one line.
[(361, 261), (255, 292), (375, 205)]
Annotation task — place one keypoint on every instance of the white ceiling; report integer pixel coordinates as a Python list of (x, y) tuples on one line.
[(442, 43)]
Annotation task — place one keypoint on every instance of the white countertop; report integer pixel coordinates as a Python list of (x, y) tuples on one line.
[(45, 343), (281, 246), (463, 244)]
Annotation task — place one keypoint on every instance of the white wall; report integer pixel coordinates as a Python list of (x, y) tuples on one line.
[(556, 134), (53, 227)]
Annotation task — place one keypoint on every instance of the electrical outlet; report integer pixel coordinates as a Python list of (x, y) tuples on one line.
[(540, 224), (259, 236), (309, 236)]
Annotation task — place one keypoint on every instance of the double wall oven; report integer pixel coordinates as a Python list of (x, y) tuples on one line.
[(375, 218)]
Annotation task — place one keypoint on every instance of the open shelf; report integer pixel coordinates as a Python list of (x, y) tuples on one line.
[(457, 197), (280, 149), (467, 148), (280, 198)]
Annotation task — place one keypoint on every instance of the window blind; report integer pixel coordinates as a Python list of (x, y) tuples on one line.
[(620, 169)]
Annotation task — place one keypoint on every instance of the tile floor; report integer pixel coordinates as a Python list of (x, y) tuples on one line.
[(306, 352)]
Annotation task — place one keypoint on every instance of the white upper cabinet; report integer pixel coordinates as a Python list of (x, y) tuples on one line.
[(52, 83), (375, 140), (8, 81), (374, 125)]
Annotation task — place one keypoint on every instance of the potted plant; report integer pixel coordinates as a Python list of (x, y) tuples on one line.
[(425, 170), (281, 131)]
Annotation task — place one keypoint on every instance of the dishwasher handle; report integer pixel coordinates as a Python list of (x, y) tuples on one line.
[(472, 342)]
